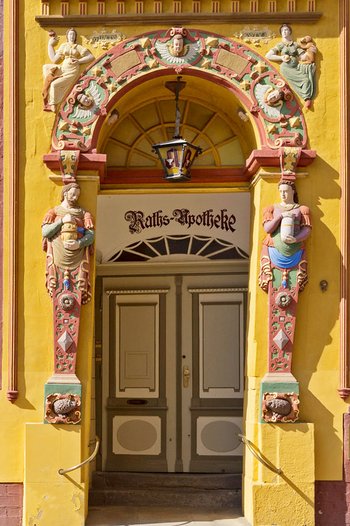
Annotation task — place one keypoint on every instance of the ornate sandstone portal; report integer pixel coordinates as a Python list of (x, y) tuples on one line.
[(259, 87), (90, 107)]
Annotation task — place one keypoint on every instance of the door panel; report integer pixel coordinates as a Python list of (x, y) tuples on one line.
[(173, 372), (215, 338), (137, 345), (136, 409), (220, 345)]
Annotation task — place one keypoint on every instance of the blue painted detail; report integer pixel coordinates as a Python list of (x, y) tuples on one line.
[(281, 261)]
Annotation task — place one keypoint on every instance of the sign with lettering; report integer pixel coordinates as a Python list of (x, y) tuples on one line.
[(141, 227)]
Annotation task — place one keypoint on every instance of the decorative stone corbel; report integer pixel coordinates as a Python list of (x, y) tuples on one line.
[(289, 160), (68, 162)]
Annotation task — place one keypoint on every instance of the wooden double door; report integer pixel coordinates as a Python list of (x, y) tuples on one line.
[(173, 369)]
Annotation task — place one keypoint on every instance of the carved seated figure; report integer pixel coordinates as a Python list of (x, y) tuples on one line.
[(59, 79)]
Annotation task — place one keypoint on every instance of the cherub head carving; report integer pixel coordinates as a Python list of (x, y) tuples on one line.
[(86, 101), (177, 46)]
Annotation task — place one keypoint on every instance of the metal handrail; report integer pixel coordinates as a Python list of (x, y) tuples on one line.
[(254, 450), (90, 459)]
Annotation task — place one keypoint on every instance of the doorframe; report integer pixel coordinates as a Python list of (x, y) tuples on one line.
[(105, 273)]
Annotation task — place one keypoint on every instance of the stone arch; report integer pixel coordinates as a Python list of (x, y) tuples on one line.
[(204, 54)]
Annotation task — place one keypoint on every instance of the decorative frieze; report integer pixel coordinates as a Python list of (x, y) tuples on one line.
[(238, 11)]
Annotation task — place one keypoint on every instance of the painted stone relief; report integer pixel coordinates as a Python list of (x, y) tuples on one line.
[(297, 63), (174, 49), (63, 409), (280, 407), (265, 94), (283, 274), (60, 76), (68, 234)]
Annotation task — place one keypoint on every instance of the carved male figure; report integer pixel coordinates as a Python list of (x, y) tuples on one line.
[(68, 232)]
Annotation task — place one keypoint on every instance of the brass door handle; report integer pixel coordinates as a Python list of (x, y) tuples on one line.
[(186, 375)]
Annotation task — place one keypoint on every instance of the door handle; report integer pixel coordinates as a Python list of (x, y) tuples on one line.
[(186, 375)]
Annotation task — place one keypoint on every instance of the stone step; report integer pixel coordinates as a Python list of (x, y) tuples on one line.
[(111, 479), (182, 490)]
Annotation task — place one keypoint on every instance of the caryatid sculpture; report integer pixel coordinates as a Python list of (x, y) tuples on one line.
[(283, 274), (68, 234)]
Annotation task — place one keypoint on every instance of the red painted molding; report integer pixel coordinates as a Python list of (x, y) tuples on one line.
[(88, 161), (12, 391), (257, 159), (271, 158)]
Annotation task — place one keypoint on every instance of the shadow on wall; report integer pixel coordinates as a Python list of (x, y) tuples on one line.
[(318, 314)]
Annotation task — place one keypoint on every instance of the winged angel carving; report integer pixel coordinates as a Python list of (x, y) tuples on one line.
[(269, 99), (88, 103), (176, 51)]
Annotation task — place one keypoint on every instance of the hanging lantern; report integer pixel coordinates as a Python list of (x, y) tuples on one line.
[(177, 155)]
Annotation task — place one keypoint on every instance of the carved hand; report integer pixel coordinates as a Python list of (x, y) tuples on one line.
[(290, 240), (53, 41), (68, 218)]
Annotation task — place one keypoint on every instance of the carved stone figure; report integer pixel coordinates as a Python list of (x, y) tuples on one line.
[(175, 50), (298, 62), (283, 274), (68, 231), (68, 234), (287, 225), (59, 79)]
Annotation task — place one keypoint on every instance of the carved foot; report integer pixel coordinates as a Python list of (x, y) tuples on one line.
[(50, 107)]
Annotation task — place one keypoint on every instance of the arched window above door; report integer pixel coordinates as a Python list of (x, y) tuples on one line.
[(130, 142)]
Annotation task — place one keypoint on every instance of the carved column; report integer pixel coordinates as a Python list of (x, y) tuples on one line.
[(283, 274), (68, 234)]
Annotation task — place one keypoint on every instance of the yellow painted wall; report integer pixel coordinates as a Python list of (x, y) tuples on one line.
[(315, 359)]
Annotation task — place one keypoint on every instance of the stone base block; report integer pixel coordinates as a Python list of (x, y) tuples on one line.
[(52, 499), (287, 499)]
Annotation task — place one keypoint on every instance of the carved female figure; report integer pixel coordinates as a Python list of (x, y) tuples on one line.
[(58, 80), (287, 225), (296, 65)]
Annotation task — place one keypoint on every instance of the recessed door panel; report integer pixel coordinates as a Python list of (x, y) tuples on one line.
[(137, 345)]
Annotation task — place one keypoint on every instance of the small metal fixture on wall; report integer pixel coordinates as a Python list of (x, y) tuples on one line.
[(177, 155)]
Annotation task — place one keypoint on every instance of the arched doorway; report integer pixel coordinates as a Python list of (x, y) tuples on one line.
[(172, 283)]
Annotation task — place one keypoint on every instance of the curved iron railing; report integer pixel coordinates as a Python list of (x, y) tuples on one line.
[(90, 459)]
